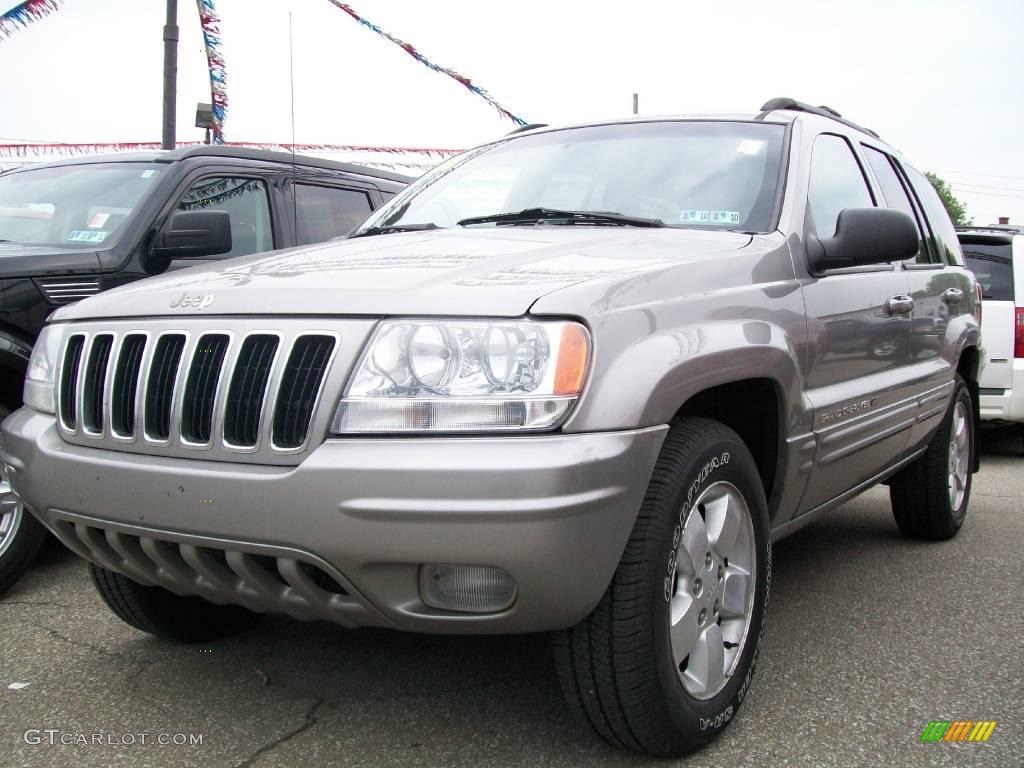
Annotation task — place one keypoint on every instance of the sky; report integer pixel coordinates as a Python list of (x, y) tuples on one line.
[(941, 80)]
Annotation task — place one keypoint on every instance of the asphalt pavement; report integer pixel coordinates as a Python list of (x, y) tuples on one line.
[(870, 637)]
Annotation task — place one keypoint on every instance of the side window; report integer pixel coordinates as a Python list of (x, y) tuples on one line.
[(246, 202), (895, 195), (836, 183), (943, 234), (326, 212)]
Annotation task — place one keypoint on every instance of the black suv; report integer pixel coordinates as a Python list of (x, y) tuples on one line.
[(71, 229)]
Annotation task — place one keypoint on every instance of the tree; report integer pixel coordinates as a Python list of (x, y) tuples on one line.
[(955, 208)]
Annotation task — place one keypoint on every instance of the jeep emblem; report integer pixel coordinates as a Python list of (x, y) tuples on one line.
[(196, 301)]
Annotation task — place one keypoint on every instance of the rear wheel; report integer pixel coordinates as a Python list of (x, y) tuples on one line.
[(664, 661), (930, 497), (165, 614)]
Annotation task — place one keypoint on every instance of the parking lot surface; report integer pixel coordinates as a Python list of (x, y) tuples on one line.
[(870, 637)]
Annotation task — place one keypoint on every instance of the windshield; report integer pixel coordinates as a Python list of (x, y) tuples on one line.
[(72, 206), (708, 175)]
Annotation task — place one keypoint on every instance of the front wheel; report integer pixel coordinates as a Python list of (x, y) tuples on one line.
[(21, 536), (664, 661), (929, 497)]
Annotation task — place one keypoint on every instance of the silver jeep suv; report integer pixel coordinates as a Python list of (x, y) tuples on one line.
[(576, 380)]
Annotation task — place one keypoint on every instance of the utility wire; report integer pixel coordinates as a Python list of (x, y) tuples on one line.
[(975, 173), (986, 186), (984, 194)]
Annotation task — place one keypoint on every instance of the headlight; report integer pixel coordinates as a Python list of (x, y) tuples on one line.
[(42, 370), (465, 376)]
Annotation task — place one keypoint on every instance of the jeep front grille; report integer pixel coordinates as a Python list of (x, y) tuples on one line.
[(218, 390)]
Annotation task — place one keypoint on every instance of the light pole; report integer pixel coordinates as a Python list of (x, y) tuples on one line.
[(170, 74)]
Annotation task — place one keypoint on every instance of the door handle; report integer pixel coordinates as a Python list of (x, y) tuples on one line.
[(899, 305), (953, 296)]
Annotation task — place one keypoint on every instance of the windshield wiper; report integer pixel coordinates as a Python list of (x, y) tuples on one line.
[(388, 229), (570, 217), (5, 241)]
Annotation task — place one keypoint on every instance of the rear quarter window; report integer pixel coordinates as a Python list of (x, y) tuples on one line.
[(992, 264), (946, 243)]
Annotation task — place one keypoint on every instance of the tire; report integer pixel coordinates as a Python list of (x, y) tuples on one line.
[(21, 535), (924, 502), (165, 614), (21, 538), (617, 667)]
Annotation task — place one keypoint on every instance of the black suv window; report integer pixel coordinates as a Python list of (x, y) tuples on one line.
[(326, 212), (246, 202), (837, 183), (895, 195), (943, 234), (992, 263)]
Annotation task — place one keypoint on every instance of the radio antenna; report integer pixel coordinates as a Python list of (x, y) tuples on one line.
[(291, 77)]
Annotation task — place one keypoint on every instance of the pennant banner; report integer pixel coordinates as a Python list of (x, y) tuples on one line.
[(23, 14), (215, 63), (41, 150), (408, 48)]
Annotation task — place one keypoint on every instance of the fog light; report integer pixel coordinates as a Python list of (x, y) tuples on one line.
[(469, 588)]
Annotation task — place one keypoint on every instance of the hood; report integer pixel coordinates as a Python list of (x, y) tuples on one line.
[(20, 260), (497, 272)]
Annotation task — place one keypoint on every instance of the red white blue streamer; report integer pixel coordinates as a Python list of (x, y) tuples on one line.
[(210, 22), (39, 150), (23, 14), (408, 48)]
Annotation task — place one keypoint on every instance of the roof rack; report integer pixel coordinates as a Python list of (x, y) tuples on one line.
[(1006, 229), (784, 102), (527, 127)]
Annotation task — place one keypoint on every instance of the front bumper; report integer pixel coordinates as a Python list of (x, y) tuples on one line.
[(342, 536)]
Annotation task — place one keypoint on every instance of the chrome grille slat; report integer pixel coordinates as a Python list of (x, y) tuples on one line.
[(302, 383), (94, 383), (69, 381), (201, 387), (232, 389), (126, 382), (248, 389), (163, 373)]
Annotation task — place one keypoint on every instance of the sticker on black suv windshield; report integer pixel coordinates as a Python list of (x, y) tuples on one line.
[(709, 217), (85, 236)]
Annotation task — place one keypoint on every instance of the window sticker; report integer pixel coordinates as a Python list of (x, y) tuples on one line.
[(750, 147), (85, 236), (709, 217), (97, 221), (147, 173)]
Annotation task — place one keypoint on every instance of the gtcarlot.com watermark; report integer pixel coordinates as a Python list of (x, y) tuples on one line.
[(55, 736)]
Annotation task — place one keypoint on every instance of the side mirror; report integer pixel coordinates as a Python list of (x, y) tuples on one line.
[(190, 234), (865, 236)]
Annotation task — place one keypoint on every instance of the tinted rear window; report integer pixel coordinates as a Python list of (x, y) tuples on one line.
[(992, 264)]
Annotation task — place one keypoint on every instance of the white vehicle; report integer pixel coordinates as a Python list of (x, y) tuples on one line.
[(996, 256)]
